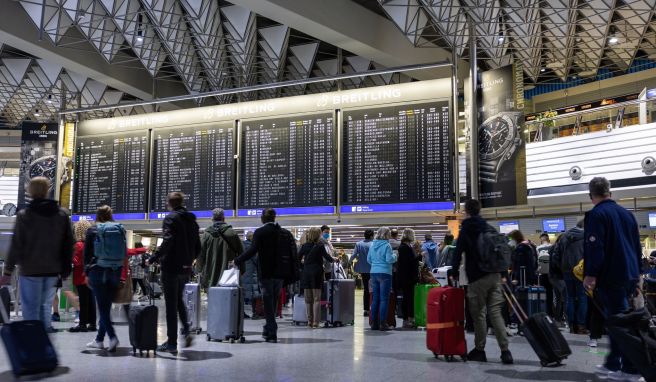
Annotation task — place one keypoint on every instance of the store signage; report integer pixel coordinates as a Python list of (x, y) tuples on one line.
[(38, 157), (652, 220), (508, 227), (588, 106), (199, 214), (399, 207), (555, 225), (321, 210)]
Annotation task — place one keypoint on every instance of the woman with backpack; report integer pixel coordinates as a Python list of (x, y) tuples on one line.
[(524, 260), (105, 258)]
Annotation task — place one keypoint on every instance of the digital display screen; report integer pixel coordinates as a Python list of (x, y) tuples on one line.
[(198, 161), (555, 225), (508, 227), (288, 162), (112, 170), (652, 220), (396, 155)]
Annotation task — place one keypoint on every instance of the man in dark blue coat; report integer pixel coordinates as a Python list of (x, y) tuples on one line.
[(612, 254)]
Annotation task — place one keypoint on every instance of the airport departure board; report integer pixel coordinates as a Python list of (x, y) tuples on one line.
[(288, 162), (397, 154), (196, 161), (111, 170)]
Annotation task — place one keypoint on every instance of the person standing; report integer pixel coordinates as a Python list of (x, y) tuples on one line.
[(612, 253), (381, 257), (325, 240), (276, 250), (105, 260), (137, 265), (363, 267), (557, 281), (219, 245), (249, 282), (42, 246), (408, 276), (87, 302), (179, 249), (484, 289), (543, 270), (524, 263), (571, 252), (313, 254), (429, 249), (446, 254)]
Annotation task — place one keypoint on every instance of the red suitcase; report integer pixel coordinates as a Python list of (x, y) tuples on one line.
[(445, 323), (391, 310)]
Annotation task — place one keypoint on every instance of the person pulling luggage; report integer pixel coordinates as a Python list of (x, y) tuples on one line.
[(313, 254)]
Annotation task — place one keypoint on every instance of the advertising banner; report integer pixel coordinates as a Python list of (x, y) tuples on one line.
[(500, 138), (38, 156)]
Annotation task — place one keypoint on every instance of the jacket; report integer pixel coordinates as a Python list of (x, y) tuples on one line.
[(360, 253), (181, 244), (265, 245), (446, 256), (42, 244), (381, 257), (249, 282), (313, 256), (90, 259), (219, 245), (612, 249), (524, 256), (430, 247), (571, 249), (135, 259), (408, 265), (79, 277), (468, 244)]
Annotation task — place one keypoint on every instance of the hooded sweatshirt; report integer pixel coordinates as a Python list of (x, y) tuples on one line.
[(430, 247), (381, 257), (467, 244), (42, 244), (220, 244), (181, 244)]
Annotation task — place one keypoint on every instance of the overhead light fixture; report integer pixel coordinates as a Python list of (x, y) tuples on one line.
[(36, 113), (49, 100), (543, 70), (501, 38), (139, 35), (613, 40)]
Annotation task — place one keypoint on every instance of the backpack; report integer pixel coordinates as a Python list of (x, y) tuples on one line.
[(447, 259), (110, 246), (572, 253), (493, 251), (543, 261), (287, 266)]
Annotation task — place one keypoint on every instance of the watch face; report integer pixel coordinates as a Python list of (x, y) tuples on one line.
[(494, 136), (44, 166)]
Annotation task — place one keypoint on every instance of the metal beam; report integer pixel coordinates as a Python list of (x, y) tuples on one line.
[(351, 27), (18, 30)]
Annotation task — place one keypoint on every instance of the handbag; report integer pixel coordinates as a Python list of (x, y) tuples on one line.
[(578, 271), (123, 294), (229, 277)]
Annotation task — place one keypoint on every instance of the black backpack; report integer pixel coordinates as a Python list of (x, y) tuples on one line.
[(287, 265), (493, 251)]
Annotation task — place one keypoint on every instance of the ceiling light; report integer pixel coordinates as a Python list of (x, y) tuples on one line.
[(613, 40), (501, 38), (543, 70), (140, 39), (36, 113), (49, 100)]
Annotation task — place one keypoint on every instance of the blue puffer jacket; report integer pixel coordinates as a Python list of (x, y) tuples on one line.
[(381, 257)]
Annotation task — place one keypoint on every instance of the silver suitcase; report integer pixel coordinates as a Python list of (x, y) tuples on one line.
[(341, 301), (191, 298), (225, 314), (299, 316)]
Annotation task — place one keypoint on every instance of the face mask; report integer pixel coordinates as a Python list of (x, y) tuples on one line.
[(326, 236)]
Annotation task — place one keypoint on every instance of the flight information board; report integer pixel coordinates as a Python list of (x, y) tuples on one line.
[(198, 162), (288, 164), (111, 170), (397, 158)]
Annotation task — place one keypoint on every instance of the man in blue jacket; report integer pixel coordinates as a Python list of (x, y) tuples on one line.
[(611, 255), (362, 266)]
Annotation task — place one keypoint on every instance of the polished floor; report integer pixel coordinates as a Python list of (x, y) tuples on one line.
[(302, 354)]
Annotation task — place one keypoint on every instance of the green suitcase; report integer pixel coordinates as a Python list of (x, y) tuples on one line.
[(421, 298)]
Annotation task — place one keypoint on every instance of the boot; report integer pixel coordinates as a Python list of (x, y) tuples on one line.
[(581, 329)]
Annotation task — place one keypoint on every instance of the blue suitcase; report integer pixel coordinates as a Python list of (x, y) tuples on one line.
[(532, 299), (28, 346)]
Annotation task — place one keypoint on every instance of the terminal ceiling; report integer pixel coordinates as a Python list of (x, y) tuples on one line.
[(102, 52)]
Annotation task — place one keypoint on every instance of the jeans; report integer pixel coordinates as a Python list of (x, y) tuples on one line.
[(365, 285), (485, 298), (173, 287), (87, 306), (577, 301), (313, 305), (381, 287), (544, 281), (616, 300), (560, 297), (37, 294), (270, 289), (104, 283), (408, 307)]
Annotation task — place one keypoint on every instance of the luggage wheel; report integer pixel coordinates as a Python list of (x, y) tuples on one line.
[(232, 340), (464, 357), (242, 340), (436, 355), (140, 353), (448, 358), (134, 351), (198, 331), (209, 338)]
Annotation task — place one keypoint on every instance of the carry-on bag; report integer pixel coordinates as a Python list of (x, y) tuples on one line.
[(28, 346), (541, 333), (391, 310), (225, 314), (142, 327), (5, 300), (531, 298), (635, 335), (341, 302), (191, 299), (420, 302), (445, 323), (299, 315)]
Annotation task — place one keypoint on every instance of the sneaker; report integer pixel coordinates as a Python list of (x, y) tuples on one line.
[(95, 345), (602, 370), (506, 357), (113, 344), (384, 328), (91, 328), (477, 355), (592, 343), (366, 313), (272, 339), (622, 376), (55, 317), (78, 329), (188, 340), (165, 347)]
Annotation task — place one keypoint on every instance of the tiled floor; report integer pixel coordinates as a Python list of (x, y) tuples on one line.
[(302, 354)]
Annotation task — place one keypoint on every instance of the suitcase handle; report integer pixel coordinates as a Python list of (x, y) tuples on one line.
[(514, 304), (4, 313)]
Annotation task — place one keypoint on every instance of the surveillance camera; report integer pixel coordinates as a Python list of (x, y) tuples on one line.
[(339, 220)]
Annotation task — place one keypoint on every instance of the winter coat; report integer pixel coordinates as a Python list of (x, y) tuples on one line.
[(181, 243), (525, 258), (220, 244), (79, 277), (381, 257), (249, 280), (408, 265), (360, 253), (313, 256)]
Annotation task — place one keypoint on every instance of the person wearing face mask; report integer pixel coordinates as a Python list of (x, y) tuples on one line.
[(325, 240), (543, 271)]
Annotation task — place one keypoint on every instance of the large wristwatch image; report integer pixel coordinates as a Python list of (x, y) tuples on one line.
[(498, 140)]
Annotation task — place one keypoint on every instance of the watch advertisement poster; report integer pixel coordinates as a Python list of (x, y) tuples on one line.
[(501, 147), (38, 156)]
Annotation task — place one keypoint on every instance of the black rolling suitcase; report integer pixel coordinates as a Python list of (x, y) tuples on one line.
[(28, 346), (541, 333), (142, 321)]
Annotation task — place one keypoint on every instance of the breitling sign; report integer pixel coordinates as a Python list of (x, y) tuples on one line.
[(38, 155)]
